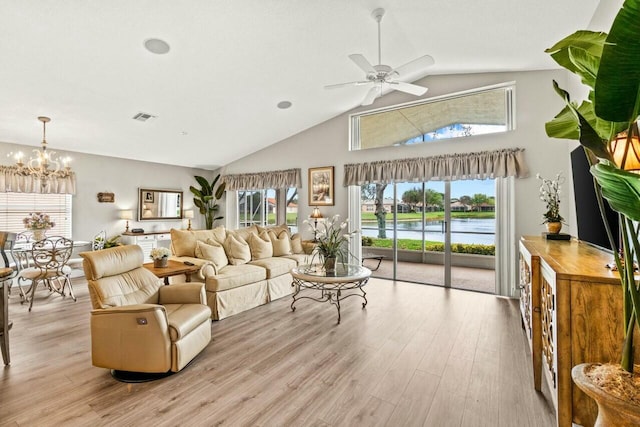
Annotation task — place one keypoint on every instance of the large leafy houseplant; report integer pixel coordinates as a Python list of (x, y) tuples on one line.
[(606, 126), (206, 198)]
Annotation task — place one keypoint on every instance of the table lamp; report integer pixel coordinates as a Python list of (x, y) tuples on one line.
[(316, 214), (189, 215), (126, 214)]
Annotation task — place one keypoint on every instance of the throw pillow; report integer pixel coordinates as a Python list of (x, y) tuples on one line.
[(277, 229), (212, 251), (296, 244), (237, 250), (281, 243), (183, 243), (217, 234), (260, 246)]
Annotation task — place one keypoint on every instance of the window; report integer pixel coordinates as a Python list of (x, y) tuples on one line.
[(292, 209), (14, 207), (257, 207), (473, 112)]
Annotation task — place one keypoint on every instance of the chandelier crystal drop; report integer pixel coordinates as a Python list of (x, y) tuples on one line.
[(43, 164)]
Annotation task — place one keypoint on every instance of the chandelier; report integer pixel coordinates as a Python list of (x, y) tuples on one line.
[(43, 164)]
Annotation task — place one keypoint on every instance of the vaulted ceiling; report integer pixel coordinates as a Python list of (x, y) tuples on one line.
[(215, 93)]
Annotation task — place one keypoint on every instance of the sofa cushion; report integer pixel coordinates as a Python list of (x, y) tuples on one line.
[(184, 318), (296, 244), (234, 276), (212, 251), (183, 242), (275, 266), (281, 243), (217, 234), (237, 250), (244, 233), (301, 259), (260, 246), (277, 229)]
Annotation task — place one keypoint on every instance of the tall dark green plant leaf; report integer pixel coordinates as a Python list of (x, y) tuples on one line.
[(620, 188), (618, 84), (588, 42), (206, 198)]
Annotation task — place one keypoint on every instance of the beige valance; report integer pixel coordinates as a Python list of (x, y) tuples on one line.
[(453, 167), (11, 181), (263, 180)]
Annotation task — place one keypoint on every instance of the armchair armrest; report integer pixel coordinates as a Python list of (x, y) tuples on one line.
[(182, 293), (131, 338)]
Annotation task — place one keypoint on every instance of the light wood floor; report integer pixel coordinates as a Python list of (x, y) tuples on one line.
[(417, 355)]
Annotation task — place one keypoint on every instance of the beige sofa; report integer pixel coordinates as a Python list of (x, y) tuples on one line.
[(241, 269)]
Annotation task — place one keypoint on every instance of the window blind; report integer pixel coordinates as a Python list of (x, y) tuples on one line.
[(14, 207)]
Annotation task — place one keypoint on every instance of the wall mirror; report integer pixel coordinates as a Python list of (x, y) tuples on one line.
[(159, 205), (473, 112)]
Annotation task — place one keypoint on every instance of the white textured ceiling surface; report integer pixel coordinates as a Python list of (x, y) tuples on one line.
[(82, 63)]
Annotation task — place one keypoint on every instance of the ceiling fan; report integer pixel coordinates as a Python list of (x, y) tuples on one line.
[(381, 76)]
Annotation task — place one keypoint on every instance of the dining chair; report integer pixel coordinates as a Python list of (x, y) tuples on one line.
[(49, 257), (6, 276)]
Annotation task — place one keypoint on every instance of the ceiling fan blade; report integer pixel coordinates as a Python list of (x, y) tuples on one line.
[(371, 95), (409, 88), (414, 66), (362, 62), (339, 85)]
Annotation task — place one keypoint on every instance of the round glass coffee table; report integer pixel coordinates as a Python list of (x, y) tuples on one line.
[(333, 287)]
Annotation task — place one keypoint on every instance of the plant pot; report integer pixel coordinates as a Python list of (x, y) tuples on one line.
[(329, 265), (160, 263), (554, 227), (612, 411), (38, 235)]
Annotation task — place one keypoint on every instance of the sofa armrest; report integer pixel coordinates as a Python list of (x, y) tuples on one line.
[(183, 293), (131, 338), (207, 270)]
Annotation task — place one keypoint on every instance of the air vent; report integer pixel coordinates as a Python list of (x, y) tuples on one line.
[(143, 117)]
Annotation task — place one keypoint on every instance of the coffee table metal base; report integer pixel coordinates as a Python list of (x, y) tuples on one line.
[(332, 293)]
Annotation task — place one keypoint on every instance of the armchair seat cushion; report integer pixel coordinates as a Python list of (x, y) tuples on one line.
[(275, 266), (184, 318), (301, 259), (234, 276)]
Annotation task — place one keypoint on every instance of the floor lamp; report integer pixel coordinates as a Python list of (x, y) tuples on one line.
[(316, 214)]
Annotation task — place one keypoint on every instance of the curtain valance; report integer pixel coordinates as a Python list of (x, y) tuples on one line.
[(460, 166), (263, 180), (11, 181)]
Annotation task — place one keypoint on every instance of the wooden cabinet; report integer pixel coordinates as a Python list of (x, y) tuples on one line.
[(572, 313), (147, 241)]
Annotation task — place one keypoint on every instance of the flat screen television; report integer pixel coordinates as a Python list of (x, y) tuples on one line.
[(591, 229)]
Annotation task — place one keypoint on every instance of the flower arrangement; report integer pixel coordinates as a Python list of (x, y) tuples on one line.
[(332, 238), (159, 253), (550, 194), (38, 221)]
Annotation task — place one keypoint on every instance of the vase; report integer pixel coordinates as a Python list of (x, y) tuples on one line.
[(554, 227), (38, 234), (612, 411), (329, 264), (160, 262)]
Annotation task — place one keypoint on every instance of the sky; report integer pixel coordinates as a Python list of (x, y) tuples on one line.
[(458, 188)]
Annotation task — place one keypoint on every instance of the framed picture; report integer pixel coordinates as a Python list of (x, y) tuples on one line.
[(148, 196), (321, 186)]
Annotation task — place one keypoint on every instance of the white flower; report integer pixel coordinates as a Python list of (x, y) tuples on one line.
[(158, 253)]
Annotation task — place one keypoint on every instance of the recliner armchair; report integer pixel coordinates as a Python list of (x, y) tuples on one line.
[(138, 324)]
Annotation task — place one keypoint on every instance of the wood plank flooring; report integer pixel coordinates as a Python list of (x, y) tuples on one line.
[(416, 356)]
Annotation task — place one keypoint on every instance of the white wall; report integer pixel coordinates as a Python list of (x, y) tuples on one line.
[(123, 177), (327, 143)]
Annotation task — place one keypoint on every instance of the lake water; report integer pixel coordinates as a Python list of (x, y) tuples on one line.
[(470, 230)]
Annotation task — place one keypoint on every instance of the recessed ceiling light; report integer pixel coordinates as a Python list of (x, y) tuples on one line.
[(184, 133), (157, 46), (283, 105)]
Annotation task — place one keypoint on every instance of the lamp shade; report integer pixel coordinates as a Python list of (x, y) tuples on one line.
[(126, 214), (188, 214), (626, 152), (316, 213)]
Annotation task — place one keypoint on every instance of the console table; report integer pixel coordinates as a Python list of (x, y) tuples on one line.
[(571, 307), (147, 241)]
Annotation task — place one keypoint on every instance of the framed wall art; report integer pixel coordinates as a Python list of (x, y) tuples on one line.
[(321, 186)]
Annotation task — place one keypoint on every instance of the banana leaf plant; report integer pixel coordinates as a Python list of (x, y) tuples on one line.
[(609, 65), (206, 198)]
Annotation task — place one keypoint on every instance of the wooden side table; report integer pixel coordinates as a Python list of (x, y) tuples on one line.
[(173, 268)]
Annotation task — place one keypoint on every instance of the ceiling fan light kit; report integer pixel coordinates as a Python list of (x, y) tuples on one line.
[(381, 74)]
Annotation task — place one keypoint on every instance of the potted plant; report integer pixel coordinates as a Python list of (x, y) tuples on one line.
[(606, 126), (38, 223), (332, 241), (160, 257), (550, 195), (206, 198)]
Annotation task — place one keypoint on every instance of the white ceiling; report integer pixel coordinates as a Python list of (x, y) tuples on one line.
[(82, 63)]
